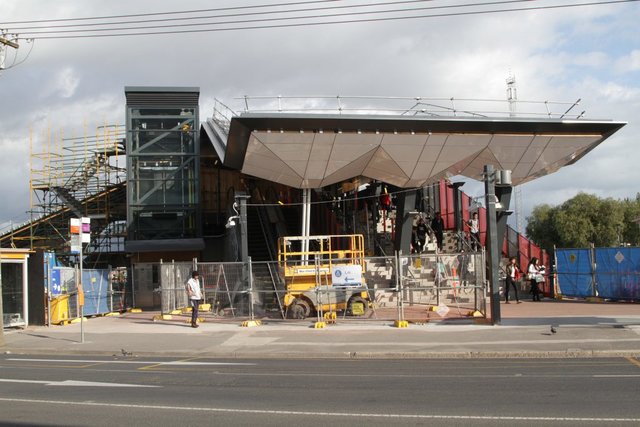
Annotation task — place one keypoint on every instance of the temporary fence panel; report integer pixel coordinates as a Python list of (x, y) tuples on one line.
[(223, 287), (173, 277), (418, 288), (618, 273), (612, 273), (97, 291), (121, 297), (63, 296), (573, 272)]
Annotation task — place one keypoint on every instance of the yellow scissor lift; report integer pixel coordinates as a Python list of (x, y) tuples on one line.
[(323, 274)]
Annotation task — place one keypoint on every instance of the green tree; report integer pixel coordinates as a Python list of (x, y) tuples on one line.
[(541, 227), (631, 231), (580, 221)]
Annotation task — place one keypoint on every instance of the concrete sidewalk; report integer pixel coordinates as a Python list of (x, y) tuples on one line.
[(583, 330)]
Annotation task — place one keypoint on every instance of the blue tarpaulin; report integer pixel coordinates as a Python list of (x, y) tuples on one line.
[(573, 268), (615, 274), (95, 284)]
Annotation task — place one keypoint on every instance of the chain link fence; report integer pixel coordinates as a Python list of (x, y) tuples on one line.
[(416, 288), (105, 291)]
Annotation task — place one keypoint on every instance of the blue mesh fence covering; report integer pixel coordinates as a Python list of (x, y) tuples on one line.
[(573, 268), (95, 284), (618, 273)]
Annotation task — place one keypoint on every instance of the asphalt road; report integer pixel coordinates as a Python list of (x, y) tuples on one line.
[(124, 390)]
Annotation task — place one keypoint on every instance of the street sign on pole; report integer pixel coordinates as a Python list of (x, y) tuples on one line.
[(80, 229)]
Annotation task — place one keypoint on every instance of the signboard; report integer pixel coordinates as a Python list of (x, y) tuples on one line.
[(75, 244), (56, 282), (74, 225), (442, 309), (80, 229), (345, 276), (310, 270), (86, 230), (80, 295)]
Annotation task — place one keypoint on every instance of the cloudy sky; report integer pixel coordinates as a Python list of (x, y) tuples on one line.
[(592, 53)]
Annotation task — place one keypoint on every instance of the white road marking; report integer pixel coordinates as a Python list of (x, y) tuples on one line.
[(428, 344), (326, 414), (73, 383), (138, 362), (615, 376)]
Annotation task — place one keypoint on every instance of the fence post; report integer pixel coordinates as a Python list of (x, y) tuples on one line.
[(594, 284), (250, 288), (399, 287)]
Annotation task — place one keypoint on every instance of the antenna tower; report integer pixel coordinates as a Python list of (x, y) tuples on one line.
[(512, 94)]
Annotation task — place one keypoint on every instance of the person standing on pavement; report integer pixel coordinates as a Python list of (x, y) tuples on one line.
[(513, 273), (437, 225), (195, 296), (534, 274)]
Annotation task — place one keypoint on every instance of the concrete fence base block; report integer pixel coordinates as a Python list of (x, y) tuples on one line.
[(401, 324)]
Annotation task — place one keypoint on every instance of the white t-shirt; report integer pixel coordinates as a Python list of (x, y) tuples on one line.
[(193, 288), (473, 226)]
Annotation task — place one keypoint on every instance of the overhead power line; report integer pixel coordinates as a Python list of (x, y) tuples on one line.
[(175, 12), (304, 20), (252, 21)]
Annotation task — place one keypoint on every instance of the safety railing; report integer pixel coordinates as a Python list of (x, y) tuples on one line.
[(409, 106)]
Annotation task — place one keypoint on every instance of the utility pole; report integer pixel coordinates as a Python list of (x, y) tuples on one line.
[(4, 42)]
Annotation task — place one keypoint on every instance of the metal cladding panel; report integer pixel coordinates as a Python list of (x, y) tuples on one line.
[(410, 151), (162, 97)]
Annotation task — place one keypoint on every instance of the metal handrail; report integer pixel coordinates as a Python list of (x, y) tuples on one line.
[(400, 106)]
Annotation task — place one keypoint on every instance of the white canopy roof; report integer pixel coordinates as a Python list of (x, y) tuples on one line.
[(313, 151)]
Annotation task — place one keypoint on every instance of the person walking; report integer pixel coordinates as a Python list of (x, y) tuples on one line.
[(437, 225), (195, 296), (421, 233), (474, 231), (534, 274), (513, 273)]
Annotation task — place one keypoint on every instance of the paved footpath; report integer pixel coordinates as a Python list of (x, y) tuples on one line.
[(582, 330)]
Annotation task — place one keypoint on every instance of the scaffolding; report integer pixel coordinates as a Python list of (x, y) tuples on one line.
[(76, 177)]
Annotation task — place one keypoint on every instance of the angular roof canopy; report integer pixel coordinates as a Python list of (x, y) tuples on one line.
[(313, 150)]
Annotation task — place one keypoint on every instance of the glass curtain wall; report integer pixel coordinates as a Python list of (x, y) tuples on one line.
[(163, 184)]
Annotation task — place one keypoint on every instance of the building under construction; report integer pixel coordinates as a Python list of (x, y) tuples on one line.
[(72, 177), (164, 185)]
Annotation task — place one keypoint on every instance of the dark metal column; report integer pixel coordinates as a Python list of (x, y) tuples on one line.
[(241, 198), (493, 250), (457, 210), (404, 221)]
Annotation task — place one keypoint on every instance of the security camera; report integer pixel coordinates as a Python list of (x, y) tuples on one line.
[(230, 224)]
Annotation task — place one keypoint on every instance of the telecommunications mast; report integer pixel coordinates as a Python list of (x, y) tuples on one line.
[(512, 98), (512, 94)]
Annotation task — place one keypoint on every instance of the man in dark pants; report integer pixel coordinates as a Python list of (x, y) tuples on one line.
[(421, 233), (437, 225), (195, 296)]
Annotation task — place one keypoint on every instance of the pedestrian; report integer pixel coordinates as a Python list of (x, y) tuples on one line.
[(195, 296), (421, 233), (534, 274), (474, 231), (437, 225), (385, 201), (513, 274)]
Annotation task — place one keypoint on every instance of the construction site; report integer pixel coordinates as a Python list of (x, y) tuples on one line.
[(73, 177), (165, 194)]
